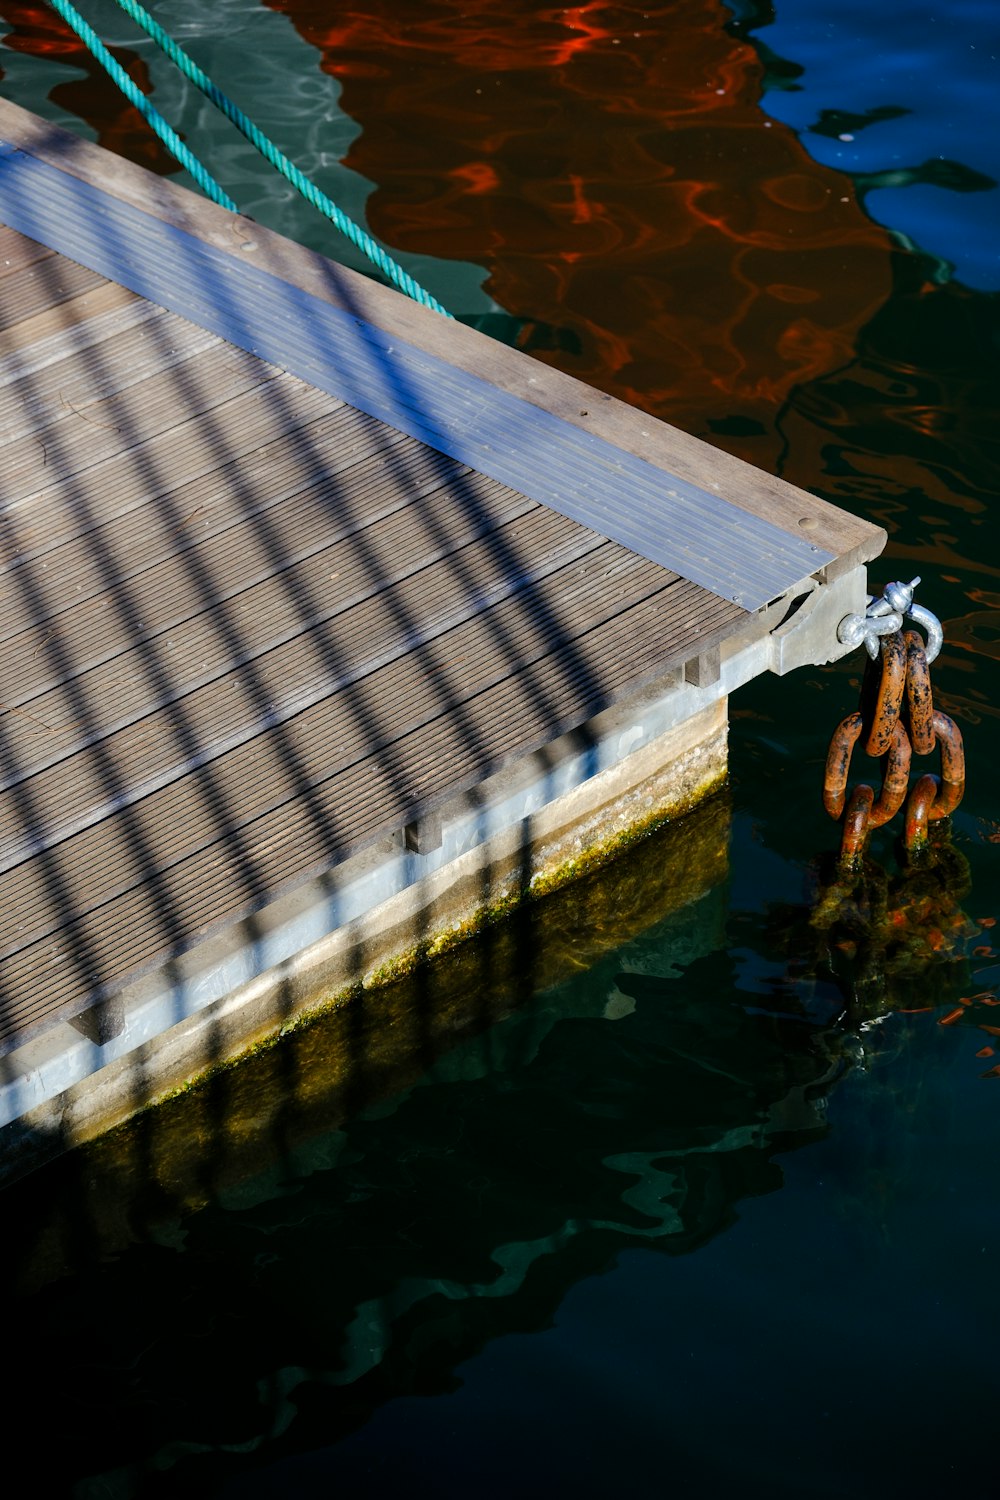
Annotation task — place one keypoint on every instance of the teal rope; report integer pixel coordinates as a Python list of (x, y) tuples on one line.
[(271, 153), (135, 96)]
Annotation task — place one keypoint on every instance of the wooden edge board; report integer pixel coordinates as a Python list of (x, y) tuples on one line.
[(664, 518), (540, 384), (384, 323)]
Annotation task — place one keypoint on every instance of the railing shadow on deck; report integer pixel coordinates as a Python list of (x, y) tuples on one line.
[(135, 862)]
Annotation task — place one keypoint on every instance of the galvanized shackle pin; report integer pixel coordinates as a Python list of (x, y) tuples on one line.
[(885, 616), (900, 599), (853, 629)]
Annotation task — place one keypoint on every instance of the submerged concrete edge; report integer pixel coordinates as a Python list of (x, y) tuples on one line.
[(539, 853)]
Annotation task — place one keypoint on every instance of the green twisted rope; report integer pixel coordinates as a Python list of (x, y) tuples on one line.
[(278, 159), (312, 194), (135, 96)]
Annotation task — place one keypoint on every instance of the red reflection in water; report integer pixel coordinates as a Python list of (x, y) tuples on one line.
[(611, 169), (38, 31)]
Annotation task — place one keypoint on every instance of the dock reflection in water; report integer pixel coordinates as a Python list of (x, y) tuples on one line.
[(260, 1265)]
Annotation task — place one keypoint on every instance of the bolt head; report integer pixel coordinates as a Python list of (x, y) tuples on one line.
[(900, 596)]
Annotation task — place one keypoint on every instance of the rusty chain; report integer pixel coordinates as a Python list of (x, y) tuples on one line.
[(898, 720)]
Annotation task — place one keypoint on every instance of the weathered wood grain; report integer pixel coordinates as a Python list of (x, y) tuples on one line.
[(79, 433), (56, 331), (17, 250)]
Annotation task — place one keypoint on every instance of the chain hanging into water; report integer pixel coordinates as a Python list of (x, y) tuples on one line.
[(319, 200), (898, 719), (888, 939)]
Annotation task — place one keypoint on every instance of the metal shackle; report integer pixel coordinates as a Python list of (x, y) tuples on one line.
[(885, 616)]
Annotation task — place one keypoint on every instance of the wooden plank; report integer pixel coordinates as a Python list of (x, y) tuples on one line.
[(97, 628), (83, 434), (71, 327), (352, 809), (79, 382), (304, 468), (17, 250), (278, 612), (114, 488), (41, 285), (791, 532), (362, 722), (416, 597)]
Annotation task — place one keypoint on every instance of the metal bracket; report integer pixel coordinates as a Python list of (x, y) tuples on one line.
[(805, 633)]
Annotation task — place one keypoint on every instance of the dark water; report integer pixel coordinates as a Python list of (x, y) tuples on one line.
[(713, 1206)]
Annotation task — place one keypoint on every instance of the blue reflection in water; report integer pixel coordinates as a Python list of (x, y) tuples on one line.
[(906, 100)]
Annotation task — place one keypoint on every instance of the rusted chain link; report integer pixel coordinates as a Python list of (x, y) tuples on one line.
[(889, 685), (919, 699), (898, 719)]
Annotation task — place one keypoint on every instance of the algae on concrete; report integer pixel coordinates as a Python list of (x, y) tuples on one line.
[(257, 1114)]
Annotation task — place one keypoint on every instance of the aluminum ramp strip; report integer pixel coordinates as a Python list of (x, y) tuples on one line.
[(724, 549)]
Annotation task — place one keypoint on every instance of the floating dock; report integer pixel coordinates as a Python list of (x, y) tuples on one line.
[(331, 629)]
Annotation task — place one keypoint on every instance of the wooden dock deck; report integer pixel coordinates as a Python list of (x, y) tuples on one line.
[(288, 563)]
